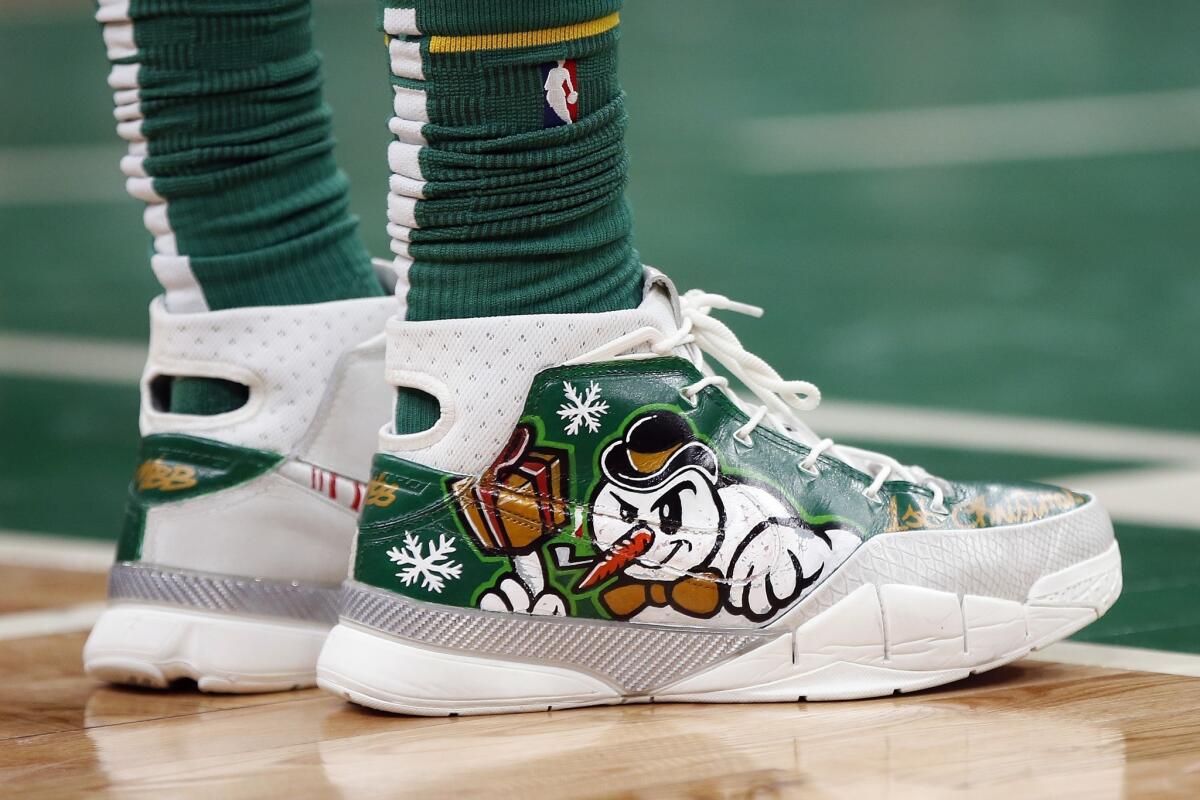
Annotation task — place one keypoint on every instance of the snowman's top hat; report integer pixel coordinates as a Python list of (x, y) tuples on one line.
[(656, 445)]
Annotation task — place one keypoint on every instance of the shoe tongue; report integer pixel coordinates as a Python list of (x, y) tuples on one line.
[(862, 460), (660, 299), (796, 431)]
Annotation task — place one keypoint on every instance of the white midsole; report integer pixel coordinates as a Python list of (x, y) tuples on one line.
[(883, 639), (877, 639), (151, 645)]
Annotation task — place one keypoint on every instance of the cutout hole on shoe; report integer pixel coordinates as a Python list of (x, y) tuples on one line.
[(205, 397), (417, 411)]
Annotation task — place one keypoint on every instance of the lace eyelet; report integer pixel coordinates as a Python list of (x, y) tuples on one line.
[(689, 398), (743, 439), (873, 498), (940, 510), (811, 471)]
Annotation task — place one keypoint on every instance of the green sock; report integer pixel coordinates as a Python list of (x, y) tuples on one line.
[(232, 149), (509, 163)]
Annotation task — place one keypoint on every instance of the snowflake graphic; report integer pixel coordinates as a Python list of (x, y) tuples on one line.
[(433, 568), (584, 411)]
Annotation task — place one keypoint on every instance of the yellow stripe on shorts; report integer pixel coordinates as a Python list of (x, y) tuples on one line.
[(508, 41)]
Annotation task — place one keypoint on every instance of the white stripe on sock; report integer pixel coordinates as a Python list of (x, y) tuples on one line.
[(183, 293), (405, 159), (113, 11), (401, 265), (401, 232), (174, 271), (400, 21), (154, 217), (166, 244), (143, 189), (400, 248), (406, 59), (123, 76), (410, 109), (407, 187), (407, 131), (133, 166), (410, 104), (118, 39), (402, 210), (126, 112), (131, 131)]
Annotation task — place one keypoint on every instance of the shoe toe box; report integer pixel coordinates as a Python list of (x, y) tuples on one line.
[(990, 505)]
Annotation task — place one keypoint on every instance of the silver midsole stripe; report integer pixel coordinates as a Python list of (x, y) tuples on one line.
[(637, 658), (224, 593)]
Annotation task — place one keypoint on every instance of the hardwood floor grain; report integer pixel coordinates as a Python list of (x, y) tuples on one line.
[(1028, 730), (31, 589)]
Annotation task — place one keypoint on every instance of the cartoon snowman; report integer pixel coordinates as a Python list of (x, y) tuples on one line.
[(682, 539)]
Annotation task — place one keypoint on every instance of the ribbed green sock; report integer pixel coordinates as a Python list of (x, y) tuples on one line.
[(231, 147), (509, 163)]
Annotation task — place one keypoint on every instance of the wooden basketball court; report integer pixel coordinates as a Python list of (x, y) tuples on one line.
[(1017, 307), (1037, 728)]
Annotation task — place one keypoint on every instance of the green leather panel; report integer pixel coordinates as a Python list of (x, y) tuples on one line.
[(596, 433), (174, 467)]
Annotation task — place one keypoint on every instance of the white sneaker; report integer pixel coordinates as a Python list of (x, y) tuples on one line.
[(240, 525), (595, 518)]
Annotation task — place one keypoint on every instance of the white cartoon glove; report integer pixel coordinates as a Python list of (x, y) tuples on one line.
[(512, 595), (774, 565)]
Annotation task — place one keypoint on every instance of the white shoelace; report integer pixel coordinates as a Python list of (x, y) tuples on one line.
[(701, 334)]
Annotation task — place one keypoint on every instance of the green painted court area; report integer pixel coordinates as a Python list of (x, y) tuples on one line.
[(985, 208)]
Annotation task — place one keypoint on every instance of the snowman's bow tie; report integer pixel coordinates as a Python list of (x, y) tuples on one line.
[(698, 596)]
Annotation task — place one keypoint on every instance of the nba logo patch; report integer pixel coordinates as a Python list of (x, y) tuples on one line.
[(560, 101)]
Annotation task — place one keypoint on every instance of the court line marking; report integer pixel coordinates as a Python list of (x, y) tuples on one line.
[(47, 622), (1030, 130), (121, 362), (1151, 495), (69, 358), (878, 422), (1088, 654), (43, 551), (45, 175)]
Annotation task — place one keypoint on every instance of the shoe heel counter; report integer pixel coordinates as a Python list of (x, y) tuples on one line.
[(450, 539), (413, 541), (173, 468), (406, 504)]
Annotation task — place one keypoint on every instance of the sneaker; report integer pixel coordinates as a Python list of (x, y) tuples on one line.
[(597, 518), (240, 526)]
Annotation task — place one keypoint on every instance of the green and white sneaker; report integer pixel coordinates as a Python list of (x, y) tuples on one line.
[(240, 525), (596, 518)]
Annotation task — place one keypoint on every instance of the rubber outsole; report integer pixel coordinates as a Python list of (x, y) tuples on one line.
[(154, 646), (878, 640)]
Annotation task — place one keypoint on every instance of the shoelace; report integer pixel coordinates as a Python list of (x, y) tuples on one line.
[(700, 334)]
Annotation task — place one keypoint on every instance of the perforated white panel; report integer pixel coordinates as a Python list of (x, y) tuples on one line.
[(287, 355), (481, 369)]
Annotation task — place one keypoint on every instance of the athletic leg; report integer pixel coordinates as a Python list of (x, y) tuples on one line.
[(230, 145), (500, 205)]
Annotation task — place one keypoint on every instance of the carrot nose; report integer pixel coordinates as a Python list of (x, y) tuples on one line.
[(618, 557)]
